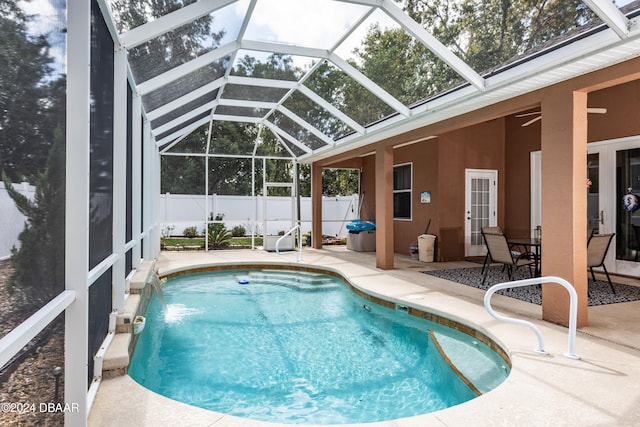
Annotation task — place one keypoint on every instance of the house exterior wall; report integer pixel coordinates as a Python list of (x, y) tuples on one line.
[(368, 184), (479, 146), (425, 166), (439, 167), (623, 112), (520, 142)]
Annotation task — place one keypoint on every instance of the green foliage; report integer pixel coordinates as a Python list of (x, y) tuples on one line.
[(31, 98), (493, 32), (218, 235), (190, 232), (238, 231), (241, 242), (340, 182), (39, 261), (172, 48), (182, 175)]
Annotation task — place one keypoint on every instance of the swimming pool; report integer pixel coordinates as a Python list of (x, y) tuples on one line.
[(302, 347)]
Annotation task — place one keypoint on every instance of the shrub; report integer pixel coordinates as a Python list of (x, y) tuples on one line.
[(190, 232), (219, 236), (238, 231)]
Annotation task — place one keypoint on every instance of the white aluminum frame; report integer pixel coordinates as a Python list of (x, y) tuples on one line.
[(596, 51)]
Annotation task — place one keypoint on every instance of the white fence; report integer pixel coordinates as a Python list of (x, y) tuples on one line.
[(11, 220), (182, 211), (178, 212)]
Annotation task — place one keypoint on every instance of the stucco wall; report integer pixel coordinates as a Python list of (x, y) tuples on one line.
[(424, 158), (520, 142), (623, 112), (480, 146), (439, 167), (368, 183)]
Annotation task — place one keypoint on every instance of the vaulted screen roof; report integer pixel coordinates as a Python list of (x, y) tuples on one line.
[(327, 75)]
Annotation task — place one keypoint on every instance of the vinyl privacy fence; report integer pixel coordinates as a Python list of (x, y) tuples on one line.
[(178, 211), (11, 220)]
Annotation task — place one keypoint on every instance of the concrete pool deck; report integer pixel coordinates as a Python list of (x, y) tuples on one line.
[(600, 389)]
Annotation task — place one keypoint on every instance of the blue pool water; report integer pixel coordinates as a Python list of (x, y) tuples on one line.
[(300, 348)]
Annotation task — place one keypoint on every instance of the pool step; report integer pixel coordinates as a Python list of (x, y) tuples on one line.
[(116, 360), (118, 354), (469, 363), (299, 280)]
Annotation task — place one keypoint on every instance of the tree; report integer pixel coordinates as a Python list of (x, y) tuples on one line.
[(39, 261), (233, 175), (171, 49), (490, 33), (340, 182), (25, 104), (401, 65)]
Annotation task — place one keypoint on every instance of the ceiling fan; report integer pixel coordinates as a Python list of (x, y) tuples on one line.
[(538, 115)]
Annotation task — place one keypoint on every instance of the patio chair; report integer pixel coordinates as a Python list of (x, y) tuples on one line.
[(489, 230), (495, 230), (499, 252), (597, 248)]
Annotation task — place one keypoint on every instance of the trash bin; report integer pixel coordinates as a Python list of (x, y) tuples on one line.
[(426, 247), (362, 241), (413, 251)]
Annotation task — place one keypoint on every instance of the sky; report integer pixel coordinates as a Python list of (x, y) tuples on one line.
[(308, 23), (49, 18)]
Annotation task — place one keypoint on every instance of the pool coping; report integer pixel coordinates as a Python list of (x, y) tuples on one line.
[(540, 390)]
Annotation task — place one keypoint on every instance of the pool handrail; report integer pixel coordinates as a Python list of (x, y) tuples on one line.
[(299, 258), (573, 310)]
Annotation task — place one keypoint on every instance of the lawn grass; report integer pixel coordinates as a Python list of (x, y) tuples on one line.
[(199, 241)]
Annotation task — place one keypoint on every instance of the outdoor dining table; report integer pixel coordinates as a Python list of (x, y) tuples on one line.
[(534, 246)]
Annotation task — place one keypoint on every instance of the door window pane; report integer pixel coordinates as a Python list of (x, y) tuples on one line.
[(480, 208)]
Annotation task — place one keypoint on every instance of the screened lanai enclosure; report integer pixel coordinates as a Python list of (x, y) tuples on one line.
[(106, 104)]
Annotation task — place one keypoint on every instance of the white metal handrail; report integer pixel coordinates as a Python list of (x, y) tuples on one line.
[(573, 310), (299, 258)]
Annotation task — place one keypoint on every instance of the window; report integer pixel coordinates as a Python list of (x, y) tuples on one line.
[(402, 191)]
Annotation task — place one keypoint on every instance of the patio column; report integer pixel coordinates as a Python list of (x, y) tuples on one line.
[(316, 206), (384, 208), (564, 203)]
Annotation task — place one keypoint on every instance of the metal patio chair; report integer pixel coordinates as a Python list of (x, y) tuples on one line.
[(499, 252), (597, 248)]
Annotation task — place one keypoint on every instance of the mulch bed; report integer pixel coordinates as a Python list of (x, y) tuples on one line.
[(27, 383)]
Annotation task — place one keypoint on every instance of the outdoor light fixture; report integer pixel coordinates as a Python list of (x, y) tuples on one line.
[(57, 372)]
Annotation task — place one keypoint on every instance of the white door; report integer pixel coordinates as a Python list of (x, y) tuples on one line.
[(614, 171), (481, 206)]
